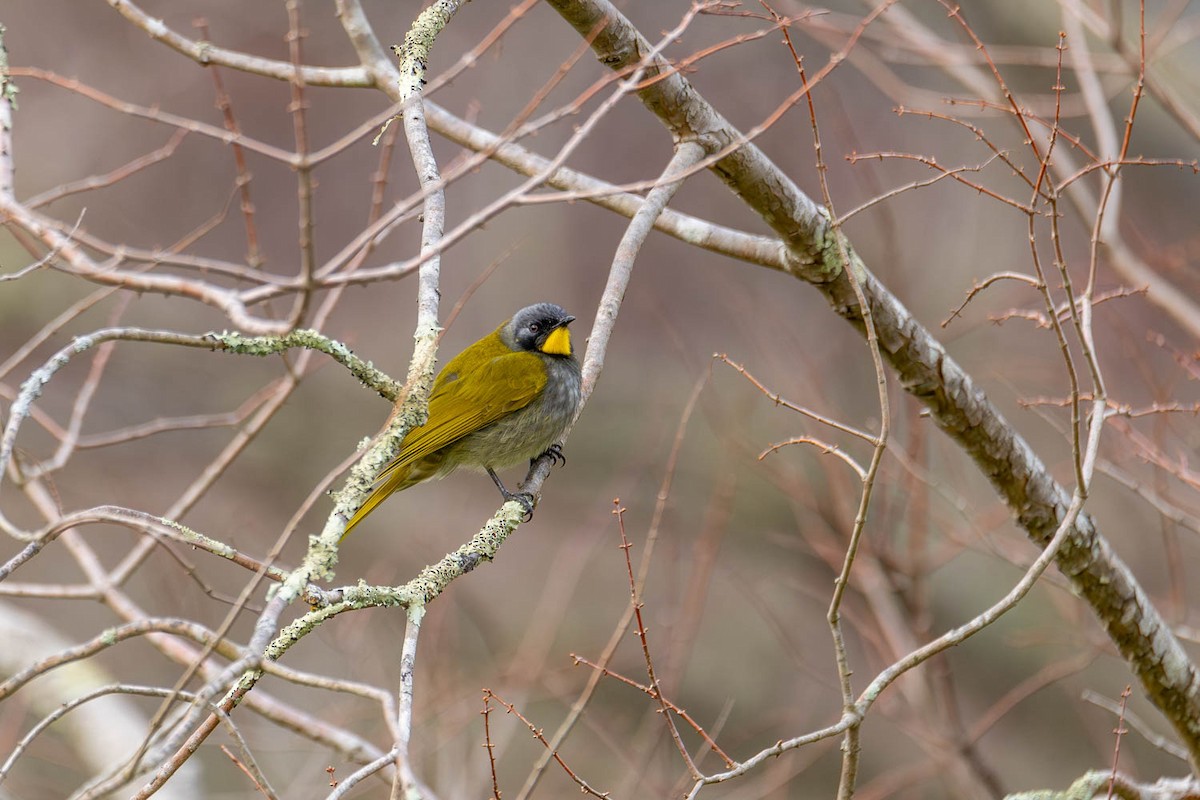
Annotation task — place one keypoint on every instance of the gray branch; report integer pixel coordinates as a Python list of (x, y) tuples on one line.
[(956, 404)]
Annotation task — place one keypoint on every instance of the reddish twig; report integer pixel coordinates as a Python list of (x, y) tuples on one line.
[(825, 447), (264, 791), (979, 134), (112, 176), (654, 693), (224, 104), (780, 401), (537, 734), (640, 630), (1118, 732), (931, 162), (976, 288), (305, 183), (487, 742)]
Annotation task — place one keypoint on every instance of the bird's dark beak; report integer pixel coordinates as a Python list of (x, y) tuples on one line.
[(567, 320)]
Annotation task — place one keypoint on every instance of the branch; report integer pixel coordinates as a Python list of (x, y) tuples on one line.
[(762, 250), (957, 405)]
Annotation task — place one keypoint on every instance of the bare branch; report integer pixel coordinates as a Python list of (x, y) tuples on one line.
[(924, 369)]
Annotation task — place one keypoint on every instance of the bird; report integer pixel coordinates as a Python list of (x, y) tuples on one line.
[(506, 398)]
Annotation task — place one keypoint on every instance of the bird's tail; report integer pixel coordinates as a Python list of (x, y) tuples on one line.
[(376, 497), (393, 480), (396, 477)]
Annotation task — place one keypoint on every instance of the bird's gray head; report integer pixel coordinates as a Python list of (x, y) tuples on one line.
[(540, 328)]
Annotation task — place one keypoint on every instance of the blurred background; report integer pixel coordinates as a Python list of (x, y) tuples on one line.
[(747, 548)]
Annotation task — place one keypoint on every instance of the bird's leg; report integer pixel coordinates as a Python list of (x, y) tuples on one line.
[(554, 453), (524, 498)]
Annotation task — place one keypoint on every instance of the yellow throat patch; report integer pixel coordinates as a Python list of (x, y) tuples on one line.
[(558, 343)]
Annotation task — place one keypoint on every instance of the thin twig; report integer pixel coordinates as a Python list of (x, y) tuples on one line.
[(640, 630), (537, 734), (656, 695)]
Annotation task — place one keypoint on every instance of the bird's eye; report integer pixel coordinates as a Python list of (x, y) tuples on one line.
[(534, 327)]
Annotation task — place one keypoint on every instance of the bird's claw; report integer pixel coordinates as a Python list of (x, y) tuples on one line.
[(525, 499), (554, 453)]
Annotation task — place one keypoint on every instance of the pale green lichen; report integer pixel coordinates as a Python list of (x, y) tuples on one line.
[(1089, 786), (261, 346), (414, 52), (8, 89)]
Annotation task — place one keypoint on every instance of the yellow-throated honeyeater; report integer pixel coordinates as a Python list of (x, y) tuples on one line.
[(505, 399)]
